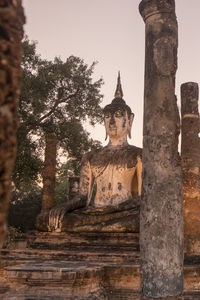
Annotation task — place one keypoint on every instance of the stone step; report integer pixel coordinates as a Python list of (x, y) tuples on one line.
[(192, 277), (70, 279), (100, 240), (119, 294), (70, 255), (87, 236), (99, 295), (97, 267), (108, 295), (81, 278), (56, 279), (10, 257), (81, 246)]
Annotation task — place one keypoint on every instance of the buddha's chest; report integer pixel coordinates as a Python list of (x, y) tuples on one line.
[(113, 172), (115, 162), (113, 179)]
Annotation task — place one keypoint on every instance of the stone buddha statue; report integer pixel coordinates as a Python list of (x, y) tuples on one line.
[(115, 170)]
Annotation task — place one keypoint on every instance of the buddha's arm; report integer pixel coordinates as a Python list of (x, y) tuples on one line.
[(86, 180), (139, 174), (80, 200)]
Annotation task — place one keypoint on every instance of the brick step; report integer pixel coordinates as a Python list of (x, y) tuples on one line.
[(108, 295), (70, 255), (70, 279), (89, 239), (119, 242), (98, 295), (56, 279), (119, 294), (76, 273), (83, 247), (81, 278)]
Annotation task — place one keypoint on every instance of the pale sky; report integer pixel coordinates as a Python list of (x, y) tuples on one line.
[(112, 33)]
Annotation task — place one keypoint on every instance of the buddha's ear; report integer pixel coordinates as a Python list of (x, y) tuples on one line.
[(130, 122), (105, 125), (106, 132), (106, 136)]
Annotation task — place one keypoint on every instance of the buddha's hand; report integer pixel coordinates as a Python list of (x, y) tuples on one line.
[(56, 215)]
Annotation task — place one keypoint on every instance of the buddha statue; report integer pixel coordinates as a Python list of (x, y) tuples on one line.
[(115, 171)]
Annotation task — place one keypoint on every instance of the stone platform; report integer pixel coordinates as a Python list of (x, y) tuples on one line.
[(87, 266)]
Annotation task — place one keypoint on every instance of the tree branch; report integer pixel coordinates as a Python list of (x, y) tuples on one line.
[(58, 101)]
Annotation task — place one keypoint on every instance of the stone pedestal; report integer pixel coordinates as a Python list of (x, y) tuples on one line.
[(190, 153), (161, 215)]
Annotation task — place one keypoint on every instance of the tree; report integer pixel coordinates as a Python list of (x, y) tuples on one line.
[(56, 97), (24, 207)]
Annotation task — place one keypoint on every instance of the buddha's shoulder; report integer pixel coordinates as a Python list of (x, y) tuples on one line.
[(88, 156), (109, 153), (133, 150)]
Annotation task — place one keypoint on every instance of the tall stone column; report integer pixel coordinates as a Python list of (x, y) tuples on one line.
[(11, 33), (161, 213), (49, 172), (190, 153)]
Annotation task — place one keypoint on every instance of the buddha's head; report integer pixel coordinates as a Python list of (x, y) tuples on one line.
[(118, 116)]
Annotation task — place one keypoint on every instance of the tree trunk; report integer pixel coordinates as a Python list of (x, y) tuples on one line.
[(11, 33), (190, 154), (161, 216), (49, 172)]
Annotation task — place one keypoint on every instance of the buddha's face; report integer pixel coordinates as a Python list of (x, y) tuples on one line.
[(117, 123)]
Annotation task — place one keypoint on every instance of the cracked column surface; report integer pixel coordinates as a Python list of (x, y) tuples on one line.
[(161, 216), (11, 33), (49, 172), (190, 153)]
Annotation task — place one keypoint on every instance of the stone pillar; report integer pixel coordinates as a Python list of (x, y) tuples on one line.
[(74, 186), (11, 33), (49, 172), (190, 153), (161, 213)]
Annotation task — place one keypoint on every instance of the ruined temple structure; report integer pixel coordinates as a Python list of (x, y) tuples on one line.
[(88, 248), (11, 33), (161, 215), (190, 153), (95, 254), (94, 238)]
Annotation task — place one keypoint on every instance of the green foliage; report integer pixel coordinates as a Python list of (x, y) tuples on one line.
[(56, 96), (24, 208), (61, 190), (28, 163), (13, 235), (63, 172)]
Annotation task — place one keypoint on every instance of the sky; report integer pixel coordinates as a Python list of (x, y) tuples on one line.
[(111, 32)]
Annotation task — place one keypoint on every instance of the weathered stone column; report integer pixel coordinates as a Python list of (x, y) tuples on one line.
[(74, 186), (190, 153), (161, 215), (49, 172), (11, 33)]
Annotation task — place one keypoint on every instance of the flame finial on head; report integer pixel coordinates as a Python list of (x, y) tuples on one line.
[(119, 92), (118, 102)]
